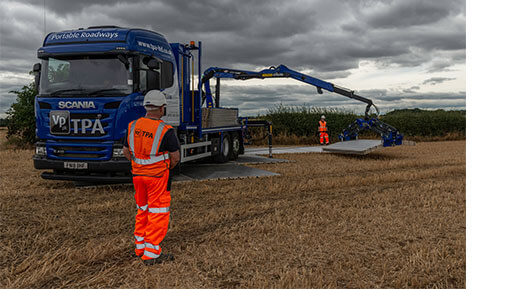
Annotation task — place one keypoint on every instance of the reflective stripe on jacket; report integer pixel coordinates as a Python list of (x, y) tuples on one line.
[(144, 138), (323, 126)]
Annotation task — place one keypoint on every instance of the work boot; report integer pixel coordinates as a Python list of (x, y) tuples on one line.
[(162, 258)]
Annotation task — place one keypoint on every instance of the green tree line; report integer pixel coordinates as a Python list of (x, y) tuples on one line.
[(303, 121)]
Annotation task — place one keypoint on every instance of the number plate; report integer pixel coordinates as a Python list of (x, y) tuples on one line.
[(59, 122), (75, 165)]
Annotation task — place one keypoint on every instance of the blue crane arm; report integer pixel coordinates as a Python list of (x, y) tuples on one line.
[(390, 135), (281, 71)]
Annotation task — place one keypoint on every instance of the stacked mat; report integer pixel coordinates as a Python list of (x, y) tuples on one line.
[(220, 117)]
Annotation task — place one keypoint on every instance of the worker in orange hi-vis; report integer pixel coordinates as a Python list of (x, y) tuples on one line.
[(153, 149), (322, 130)]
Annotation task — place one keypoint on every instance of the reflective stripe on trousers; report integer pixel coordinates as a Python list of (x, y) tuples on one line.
[(151, 255), (155, 247), (139, 244), (159, 210), (143, 208)]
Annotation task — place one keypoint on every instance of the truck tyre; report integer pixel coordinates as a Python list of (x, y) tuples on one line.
[(226, 149), (235, 145)]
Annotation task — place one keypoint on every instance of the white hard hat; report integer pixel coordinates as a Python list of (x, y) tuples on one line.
[(154, 98), (323, 116)]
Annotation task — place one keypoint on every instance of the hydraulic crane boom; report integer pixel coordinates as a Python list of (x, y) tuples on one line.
[(280, 72), (390, 135)]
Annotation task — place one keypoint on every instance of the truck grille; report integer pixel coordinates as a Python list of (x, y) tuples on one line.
[(66, 151), (83, 151)]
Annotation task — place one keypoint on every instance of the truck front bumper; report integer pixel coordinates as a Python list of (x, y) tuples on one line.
[(112, 171)]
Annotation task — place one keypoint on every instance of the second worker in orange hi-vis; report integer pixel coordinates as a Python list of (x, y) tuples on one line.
[(153, 149), (322, 130)]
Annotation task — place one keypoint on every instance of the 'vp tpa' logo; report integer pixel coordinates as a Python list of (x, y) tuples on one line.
[(142, 133), (59, 120)]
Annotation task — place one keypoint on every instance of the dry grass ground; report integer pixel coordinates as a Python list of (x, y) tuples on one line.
[(391, 219)]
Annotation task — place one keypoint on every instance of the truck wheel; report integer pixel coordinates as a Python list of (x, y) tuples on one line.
[(235, 146), (226, 150)]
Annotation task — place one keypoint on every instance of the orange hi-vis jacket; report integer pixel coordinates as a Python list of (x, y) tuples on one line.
[(323, 126), (144, 138)]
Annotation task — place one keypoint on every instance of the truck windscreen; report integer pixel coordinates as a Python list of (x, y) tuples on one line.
[(94, 76)]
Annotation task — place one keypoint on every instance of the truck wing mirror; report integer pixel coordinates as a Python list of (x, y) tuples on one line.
[(153, 64), (37, 67), (36, 70)]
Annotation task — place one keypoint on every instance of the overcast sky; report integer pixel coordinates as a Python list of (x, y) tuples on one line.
[(400, 53)]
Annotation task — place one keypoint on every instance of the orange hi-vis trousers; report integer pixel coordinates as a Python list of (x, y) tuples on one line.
[(153, 202), (324, 135)]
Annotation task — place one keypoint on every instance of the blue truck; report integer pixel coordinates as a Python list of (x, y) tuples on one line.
[(91, 83)]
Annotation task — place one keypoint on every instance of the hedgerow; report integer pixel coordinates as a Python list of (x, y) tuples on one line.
[(303, 121)]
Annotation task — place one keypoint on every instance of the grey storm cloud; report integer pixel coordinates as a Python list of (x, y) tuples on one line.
[(412, 89), (327, 38), (437, 80), (408, 13)]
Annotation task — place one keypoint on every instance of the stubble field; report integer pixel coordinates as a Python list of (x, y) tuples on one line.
[(391, 219)]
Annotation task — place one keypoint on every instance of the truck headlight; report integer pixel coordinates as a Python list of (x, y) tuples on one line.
[(40, 150), (118, 152)]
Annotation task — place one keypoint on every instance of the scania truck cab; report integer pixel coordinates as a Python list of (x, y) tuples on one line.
[(91, 84)]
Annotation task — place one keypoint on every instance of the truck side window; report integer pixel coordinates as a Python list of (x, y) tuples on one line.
[(143, 80), (145, 75), (166, 74)]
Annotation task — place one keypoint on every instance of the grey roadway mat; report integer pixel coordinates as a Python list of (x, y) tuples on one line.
[(357, 147), (219, 171), (230, 170)]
